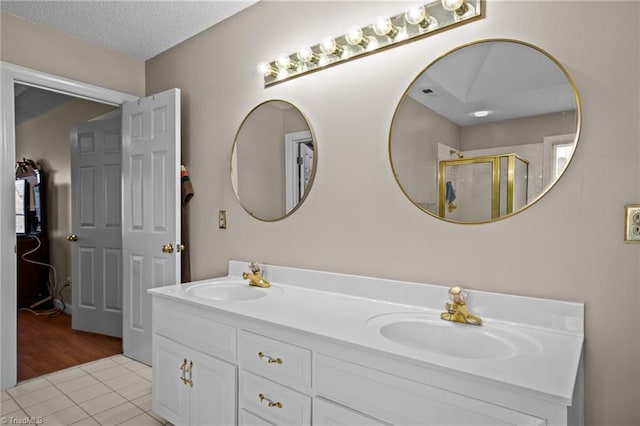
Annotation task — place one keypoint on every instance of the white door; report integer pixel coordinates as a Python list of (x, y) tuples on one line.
[(305, 167), (96, 251), (151, 211)]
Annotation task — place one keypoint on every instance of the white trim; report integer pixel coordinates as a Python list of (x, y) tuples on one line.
[(548, 143), (64, 85), (10, 74), (291, 141)]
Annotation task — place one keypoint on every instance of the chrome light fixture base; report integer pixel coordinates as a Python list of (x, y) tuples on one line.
[(411, 25)]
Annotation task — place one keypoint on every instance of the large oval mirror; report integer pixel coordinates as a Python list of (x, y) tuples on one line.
[(273, 160), (484, 131)]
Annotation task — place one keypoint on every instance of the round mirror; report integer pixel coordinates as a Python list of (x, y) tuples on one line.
[(273, 160), (484, 131)]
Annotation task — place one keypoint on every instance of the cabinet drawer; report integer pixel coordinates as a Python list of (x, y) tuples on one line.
[(199, 332), (404, 402), (250, 419), (278, 360), (328, 414), (273, 402)]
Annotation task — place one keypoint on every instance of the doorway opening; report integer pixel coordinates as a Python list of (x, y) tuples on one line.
[(43, 120), (10, 75)]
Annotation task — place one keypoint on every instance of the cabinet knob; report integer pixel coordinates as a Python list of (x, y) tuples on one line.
[(72, 237)]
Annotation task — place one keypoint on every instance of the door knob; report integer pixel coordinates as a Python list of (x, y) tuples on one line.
[(72, 237), (167, 248), (180, 247)]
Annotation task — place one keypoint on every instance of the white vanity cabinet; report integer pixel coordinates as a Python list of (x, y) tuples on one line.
[(298, 356), (190, 386)]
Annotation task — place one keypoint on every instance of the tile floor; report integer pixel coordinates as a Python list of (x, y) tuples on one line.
[(110, 391)]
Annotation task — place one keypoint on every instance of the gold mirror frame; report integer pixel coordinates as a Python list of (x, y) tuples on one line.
[(439, 181), (278, 156)]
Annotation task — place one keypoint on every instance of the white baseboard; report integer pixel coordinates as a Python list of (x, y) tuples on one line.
[(67, 308)]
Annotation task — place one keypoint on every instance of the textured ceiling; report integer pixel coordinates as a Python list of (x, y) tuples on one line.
[(139, 28)]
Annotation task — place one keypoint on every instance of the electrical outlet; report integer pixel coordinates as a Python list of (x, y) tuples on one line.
[(222, 219), (632, 223)]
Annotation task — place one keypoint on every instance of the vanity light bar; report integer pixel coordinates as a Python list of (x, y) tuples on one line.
[(413, 24)]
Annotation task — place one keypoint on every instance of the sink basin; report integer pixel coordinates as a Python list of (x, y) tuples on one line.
[(429, 333), (226, 291)]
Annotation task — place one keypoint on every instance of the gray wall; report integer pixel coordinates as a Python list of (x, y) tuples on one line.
[(40, 48)]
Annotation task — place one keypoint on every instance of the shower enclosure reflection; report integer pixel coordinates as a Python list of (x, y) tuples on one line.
[(482, 187)]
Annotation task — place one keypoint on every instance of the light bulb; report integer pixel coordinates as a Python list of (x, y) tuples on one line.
[(415, 15), (384, 27), (452, 5), (418, 16), (330, 47), (305, 54), (284, 62), (460, 8), (355, 36), (266, 69)]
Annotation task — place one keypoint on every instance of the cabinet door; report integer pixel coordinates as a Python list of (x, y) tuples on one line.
[(212, 399), (328, 414), (169, 392)]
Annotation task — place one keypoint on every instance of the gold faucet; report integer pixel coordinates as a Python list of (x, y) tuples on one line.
[(255, 277), (457, 310)]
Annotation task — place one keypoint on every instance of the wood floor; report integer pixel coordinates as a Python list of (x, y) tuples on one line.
[(49, 344)]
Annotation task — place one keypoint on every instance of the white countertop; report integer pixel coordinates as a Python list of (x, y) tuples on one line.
[(344, 307)]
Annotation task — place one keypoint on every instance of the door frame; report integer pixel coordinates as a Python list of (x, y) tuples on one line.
[(10, 74), (292, 181)]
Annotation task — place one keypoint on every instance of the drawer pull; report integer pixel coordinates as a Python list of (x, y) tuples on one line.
[(189, 381), (182, 368), (270, 359), (270, 402)]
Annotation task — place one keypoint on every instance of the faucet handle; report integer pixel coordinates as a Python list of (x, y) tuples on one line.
[(457, 295), (254, 267)]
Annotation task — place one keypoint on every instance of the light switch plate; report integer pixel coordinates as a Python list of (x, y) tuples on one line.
[(222, 219), (632, 223)]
